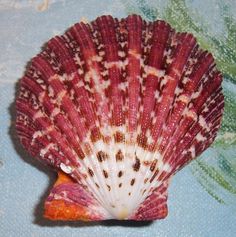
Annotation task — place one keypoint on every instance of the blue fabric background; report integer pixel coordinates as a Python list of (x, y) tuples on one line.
[(24, 183)]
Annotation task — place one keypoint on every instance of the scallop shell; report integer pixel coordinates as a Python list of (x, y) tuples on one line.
[(117, 107)]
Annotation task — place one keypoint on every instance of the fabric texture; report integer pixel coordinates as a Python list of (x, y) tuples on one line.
[(25, 183)]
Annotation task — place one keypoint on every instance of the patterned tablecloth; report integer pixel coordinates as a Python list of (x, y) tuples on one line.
[(201, 196)]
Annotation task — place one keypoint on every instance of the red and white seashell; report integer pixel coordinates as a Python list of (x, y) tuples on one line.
[(118, 106)]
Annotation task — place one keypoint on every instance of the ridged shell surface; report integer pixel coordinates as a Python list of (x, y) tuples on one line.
[(118, 106)]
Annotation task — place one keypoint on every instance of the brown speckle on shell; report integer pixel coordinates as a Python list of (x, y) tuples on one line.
[(136, 165), (132, 182), (153, 165), (120, 173), (90, 172), (105, 174), (109, 187), (154, 176), (119, 137), (102, 156), (119, 156)]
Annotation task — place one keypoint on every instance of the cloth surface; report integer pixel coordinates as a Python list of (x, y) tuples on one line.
[(24, 183)]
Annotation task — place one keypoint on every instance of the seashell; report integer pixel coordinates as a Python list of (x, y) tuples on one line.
[(117, 107)]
